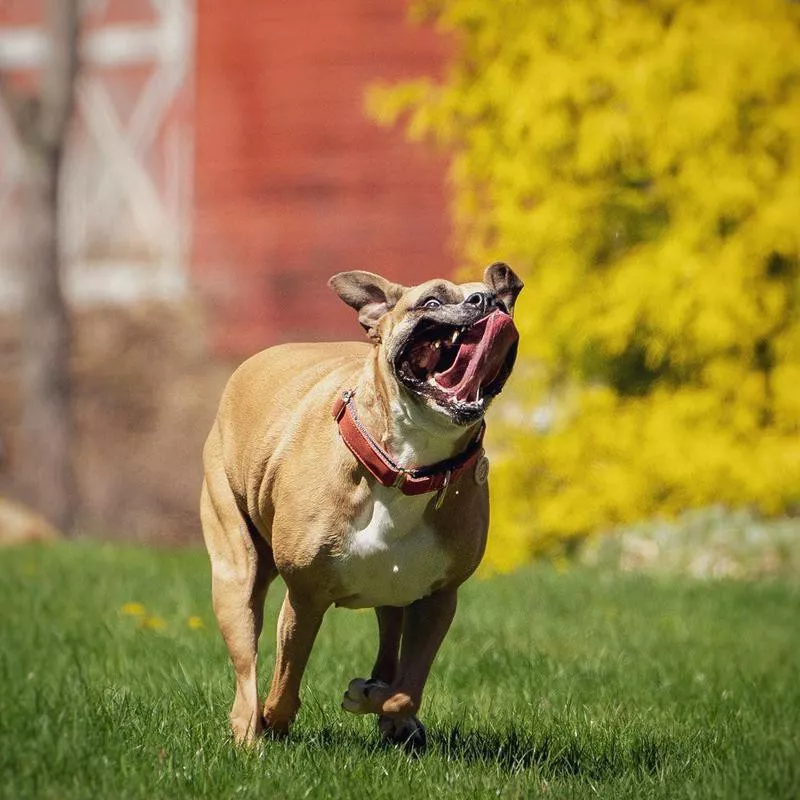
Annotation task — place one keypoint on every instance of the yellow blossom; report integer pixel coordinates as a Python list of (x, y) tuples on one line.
[(153, 623), (195, 623), (133, 610), (639, 167)]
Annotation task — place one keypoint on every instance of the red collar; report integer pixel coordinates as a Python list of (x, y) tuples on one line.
[(416, 480)]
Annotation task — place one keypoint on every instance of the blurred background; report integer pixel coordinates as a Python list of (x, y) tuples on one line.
[(179, 178)]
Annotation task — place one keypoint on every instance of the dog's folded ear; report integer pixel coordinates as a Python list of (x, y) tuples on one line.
[(369, 294), (504, 282)]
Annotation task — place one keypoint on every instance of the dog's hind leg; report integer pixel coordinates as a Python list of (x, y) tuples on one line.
[(390, 630), (242, 567)]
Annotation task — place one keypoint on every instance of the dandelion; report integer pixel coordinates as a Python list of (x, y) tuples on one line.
[(153, 623), (133, 610), (195, 623)]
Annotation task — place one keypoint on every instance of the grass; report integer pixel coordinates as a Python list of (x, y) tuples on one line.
[(583, 684)]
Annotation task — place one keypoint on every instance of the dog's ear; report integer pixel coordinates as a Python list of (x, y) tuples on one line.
[(369, 294), (504, 282)]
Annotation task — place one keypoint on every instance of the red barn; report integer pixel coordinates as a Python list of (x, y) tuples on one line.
[(293, 183), (224, 146)]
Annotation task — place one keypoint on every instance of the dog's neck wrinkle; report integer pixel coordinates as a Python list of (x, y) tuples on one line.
[(417, 440), (371, 408), (402, 427)]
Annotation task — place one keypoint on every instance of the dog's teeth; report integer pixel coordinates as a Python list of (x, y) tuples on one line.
[(437, 345), (454, 337)]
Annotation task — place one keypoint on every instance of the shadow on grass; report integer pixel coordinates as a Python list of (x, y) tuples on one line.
[(554, 753)]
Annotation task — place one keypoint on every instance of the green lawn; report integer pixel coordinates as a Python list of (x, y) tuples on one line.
[(574, 685)]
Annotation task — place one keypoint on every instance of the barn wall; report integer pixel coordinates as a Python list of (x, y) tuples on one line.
[(292, 183)]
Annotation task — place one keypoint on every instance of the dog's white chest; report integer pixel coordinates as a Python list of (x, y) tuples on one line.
[(390, 557)]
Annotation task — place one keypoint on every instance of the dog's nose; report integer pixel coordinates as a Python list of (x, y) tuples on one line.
[(480, 300)]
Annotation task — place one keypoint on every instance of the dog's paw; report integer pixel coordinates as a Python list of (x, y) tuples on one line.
[(407, 731), (356, 698), (246, 730)]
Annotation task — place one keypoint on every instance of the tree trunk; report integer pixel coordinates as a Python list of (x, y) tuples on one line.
[(44, 467), (45, 444)]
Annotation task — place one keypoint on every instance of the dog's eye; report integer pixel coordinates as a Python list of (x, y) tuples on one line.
[(432, 302)]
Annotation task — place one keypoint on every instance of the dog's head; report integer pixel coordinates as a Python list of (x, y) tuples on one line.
[(450, 346)]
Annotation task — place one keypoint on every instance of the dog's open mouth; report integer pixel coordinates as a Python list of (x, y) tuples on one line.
[(460, 368)]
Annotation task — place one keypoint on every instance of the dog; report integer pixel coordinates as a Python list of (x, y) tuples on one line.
[(356, 472)]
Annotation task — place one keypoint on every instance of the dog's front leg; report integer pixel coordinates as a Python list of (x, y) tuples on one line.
[(426, 623), (298, 624), (425, 626)]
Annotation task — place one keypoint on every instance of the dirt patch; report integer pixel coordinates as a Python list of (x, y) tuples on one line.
[(145, 394)]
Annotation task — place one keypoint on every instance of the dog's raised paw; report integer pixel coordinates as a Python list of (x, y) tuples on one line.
[(408, 732), (356, 698)]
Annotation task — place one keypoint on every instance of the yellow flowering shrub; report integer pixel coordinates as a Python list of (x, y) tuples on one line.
[(639, 164)]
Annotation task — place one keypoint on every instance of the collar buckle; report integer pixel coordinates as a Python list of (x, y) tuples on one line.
[(442, 493), (401, 478)]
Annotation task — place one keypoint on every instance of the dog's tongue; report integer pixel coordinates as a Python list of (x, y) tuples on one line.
[(480, 358)]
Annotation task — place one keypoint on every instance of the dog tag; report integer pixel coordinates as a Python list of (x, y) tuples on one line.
[(481, 470)]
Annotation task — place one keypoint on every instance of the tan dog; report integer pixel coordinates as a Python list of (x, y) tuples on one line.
[(355, 471)]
